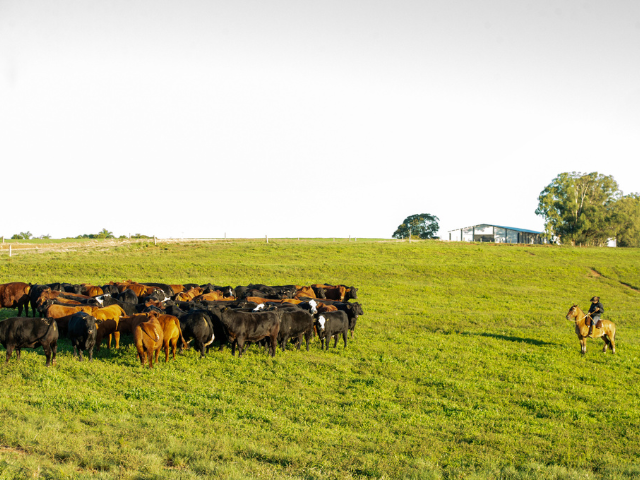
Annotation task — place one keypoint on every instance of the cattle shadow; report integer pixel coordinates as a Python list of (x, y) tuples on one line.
[(530, 341)]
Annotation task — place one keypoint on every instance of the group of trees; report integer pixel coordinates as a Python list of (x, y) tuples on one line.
[(589, 209), (28, 236)]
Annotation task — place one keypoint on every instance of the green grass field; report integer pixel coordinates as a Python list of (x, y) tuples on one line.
[(463, 366)]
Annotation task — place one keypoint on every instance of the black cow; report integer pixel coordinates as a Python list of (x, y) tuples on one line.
[(82, 333), (127, 296), (353, 310), (110, 289), (71, 288), (18, 333), (242, 326), (332, 324), (294, 323), (197, 325), (34, 294)]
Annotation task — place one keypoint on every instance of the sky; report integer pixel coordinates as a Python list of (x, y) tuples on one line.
[(297, 118)]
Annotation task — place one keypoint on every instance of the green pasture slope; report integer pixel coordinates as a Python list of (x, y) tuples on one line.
[(464, 366)]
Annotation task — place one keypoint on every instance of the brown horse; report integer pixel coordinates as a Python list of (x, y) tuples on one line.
[(607, 330)]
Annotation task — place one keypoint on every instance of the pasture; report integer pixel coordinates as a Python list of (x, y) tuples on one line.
[(463, 366)]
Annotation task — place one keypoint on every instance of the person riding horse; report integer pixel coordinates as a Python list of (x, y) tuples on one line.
[(593, 317)]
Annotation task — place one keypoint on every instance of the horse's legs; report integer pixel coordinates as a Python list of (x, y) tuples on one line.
[(583, 345), (606, 343), (612, 342)]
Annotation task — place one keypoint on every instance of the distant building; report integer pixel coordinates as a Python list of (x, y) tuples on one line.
[(496, 233)]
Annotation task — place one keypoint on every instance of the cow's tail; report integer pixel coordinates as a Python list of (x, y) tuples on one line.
[(185, 345), (145, 328)]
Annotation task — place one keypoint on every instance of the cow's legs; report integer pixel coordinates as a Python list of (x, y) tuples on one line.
[(80, 353), (47, 353), (335, 340), (18, 352), (274, 345), (91, 354), (116, 336), (75, 351), (9, 352), (344, 337)]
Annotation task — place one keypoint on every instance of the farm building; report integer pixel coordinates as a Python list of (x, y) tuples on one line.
[(496, 233)]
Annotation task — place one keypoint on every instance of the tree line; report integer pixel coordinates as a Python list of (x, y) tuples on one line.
[(102, 234)]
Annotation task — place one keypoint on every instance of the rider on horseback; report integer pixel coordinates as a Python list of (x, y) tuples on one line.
[(593, 317)]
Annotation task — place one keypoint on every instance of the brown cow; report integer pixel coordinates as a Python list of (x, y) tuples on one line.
[(91, 290), (177, 288), (304, 292), (260, 300), (333, 292), (189, 294), (107, 319), (213, 297), (128, 324), (148, 338), (15, 295), (171, 333)]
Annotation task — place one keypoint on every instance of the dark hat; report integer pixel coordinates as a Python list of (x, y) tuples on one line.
[(595, 299)]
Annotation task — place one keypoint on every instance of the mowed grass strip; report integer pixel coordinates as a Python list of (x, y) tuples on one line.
[(463, 366)]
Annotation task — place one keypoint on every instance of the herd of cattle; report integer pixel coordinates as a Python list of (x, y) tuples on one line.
[(161, 316)]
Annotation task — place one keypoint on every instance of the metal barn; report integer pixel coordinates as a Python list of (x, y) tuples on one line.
[(496, 233)]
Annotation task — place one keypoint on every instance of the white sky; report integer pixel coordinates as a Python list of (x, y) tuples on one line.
[(308, 118)]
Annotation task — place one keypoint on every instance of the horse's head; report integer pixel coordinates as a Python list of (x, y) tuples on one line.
[(573, 313)]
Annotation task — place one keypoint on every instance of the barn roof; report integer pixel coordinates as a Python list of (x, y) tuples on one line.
[(524, 230)]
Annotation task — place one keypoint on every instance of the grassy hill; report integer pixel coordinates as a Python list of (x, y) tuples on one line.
[(463, 366)]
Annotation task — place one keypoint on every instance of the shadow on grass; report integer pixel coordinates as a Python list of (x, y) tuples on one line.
[(530, 341)]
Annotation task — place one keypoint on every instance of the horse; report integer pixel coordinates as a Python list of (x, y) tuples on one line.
[(607, 330)]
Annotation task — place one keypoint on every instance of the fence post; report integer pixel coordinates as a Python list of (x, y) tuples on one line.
[(9, 250), (3, 239), (349, 237), (154, 240), (266, 238)]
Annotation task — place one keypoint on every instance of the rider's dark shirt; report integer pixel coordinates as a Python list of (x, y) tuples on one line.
[(599, 306)]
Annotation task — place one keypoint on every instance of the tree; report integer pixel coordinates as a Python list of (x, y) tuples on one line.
[(580, 208), (22, 236), (421, 225), (104, 233), (627, 218)]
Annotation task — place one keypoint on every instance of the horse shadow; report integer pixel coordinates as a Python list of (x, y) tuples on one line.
[(530, 341)]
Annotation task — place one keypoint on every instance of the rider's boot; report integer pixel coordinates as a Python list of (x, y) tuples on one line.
[(590, 330)]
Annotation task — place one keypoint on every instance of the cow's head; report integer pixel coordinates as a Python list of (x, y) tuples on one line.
[(321, 323), (313, 304), (320, 292)]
